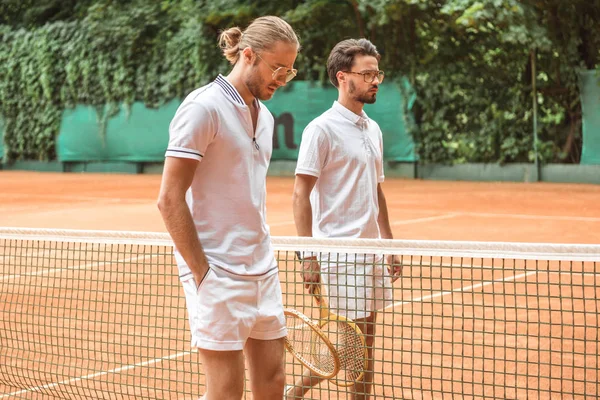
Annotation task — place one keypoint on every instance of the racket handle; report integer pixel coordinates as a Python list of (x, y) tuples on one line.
[(317, 293)]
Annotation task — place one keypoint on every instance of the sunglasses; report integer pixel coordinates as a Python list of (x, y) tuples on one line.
[(281, 74)]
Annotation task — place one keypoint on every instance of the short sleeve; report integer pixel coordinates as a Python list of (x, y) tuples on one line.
[(380, 172), (192, 129), (314, 148)]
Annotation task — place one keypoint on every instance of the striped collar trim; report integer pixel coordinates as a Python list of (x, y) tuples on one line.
[(229, 90), (232, 92)]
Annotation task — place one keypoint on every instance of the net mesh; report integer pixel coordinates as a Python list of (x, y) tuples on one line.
[(101, 315)]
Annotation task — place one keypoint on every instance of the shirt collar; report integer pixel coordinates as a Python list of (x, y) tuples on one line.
[(349, 115), (229, 90), (232, 92)]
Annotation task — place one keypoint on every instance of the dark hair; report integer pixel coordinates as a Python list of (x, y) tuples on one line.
[(261, 34), (342, 56)]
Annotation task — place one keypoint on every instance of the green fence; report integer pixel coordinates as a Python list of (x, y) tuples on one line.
[(141, 134), (136, 135), (296, 106), (590, 106)]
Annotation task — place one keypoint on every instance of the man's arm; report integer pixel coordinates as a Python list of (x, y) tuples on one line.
[(303, 185), (177, 177), (394, 262), (383, 219)]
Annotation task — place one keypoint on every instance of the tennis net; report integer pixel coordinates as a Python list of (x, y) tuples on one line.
[(101, 315)]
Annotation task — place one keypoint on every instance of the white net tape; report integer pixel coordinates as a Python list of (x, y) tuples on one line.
[(508, 250)]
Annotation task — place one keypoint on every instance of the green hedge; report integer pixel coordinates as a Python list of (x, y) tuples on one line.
[(101, 62), (467, 61)]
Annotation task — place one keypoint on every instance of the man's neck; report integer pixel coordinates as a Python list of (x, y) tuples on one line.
[(355, 106), (235, 78)]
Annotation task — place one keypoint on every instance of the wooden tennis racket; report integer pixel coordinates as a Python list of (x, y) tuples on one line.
[(348, 339), (309, 345)]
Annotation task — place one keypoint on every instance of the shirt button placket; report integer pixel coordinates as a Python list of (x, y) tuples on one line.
[(363, 124)]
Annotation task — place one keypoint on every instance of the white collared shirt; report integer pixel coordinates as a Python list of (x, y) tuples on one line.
[(345, 152), (227, 197)]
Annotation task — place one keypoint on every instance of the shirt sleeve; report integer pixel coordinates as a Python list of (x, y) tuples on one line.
[(314, 148), (192, 129), (380, 172)]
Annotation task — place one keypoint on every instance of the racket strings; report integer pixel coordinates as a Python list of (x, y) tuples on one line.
[(350, 347), (308, 346)]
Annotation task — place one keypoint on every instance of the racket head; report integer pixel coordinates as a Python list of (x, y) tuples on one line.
[(351, 347), (309, 345), (349, 342)]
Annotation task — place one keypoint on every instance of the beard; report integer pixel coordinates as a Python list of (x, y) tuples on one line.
[(258, 87), (362, 97)]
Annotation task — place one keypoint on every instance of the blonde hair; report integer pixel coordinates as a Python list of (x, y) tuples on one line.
[(261, 34)]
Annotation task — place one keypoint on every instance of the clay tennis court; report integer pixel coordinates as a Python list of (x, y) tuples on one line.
[(428, 210), (420, 210)]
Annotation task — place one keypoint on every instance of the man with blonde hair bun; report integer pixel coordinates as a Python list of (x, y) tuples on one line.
[(212, 200)]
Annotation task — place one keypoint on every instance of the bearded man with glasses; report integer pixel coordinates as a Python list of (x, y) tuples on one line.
[(338, 194)]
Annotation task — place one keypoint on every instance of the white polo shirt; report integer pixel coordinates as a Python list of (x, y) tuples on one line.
[(345, 152), (227, 198)]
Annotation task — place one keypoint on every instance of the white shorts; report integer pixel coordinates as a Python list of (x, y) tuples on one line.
[(355, 291), (225, 312)]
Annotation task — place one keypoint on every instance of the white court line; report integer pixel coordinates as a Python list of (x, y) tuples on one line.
[(67, 208), (402, 222), (64, 207), (96, 375), (70, 198), (183, 354), (10, 209), (75, 268), (462, 289), (425, 219), (408, 265), (472, 214), (508, 215), (92, 376), (527, 216), (82, 202)]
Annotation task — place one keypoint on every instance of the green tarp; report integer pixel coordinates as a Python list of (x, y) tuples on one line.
[(295, 106), (142, 134), (590, 107)]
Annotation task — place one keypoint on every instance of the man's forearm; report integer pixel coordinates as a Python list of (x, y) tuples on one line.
[(180, 225), (303, 216), (383, 220)]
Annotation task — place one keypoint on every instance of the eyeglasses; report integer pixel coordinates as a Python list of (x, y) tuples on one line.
[(281, 74), (369, 76)]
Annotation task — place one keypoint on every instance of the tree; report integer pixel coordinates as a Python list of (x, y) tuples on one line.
[(468, 61)]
